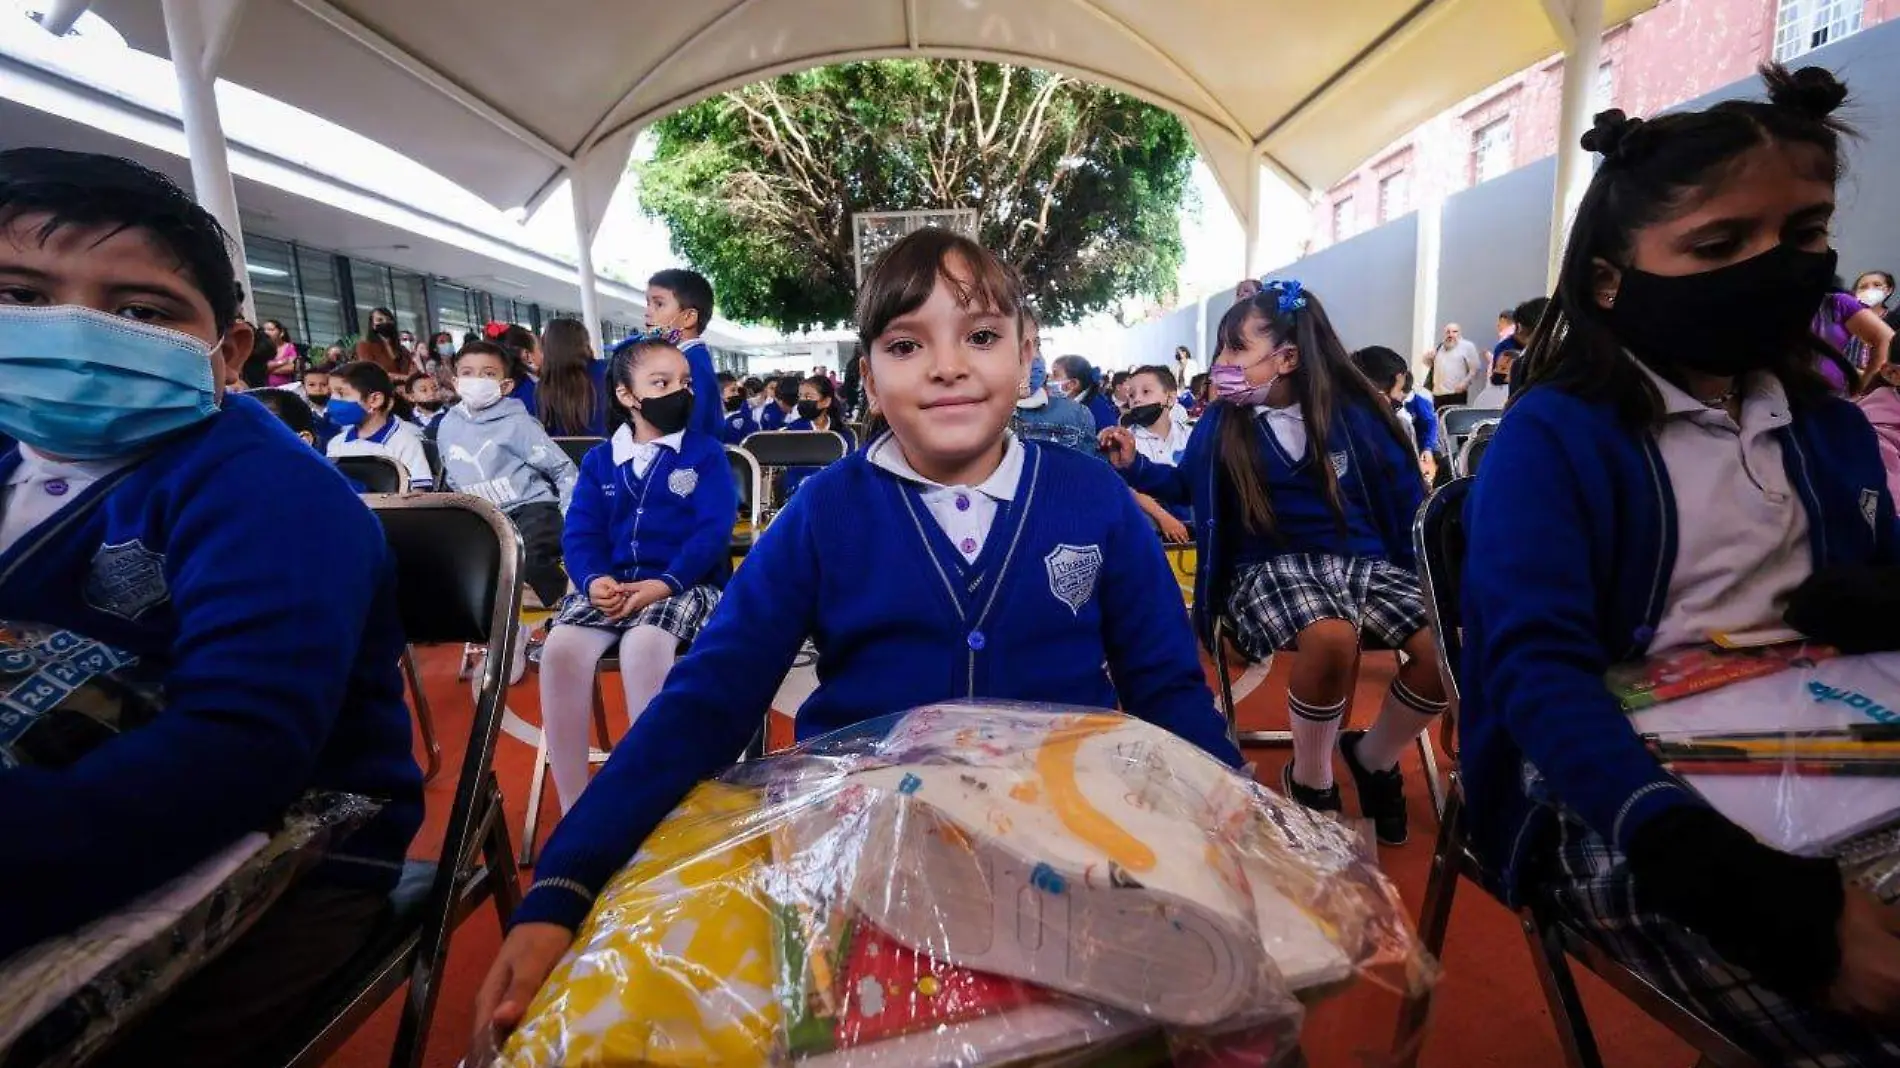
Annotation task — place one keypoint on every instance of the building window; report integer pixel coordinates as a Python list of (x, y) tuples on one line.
[(1393, 189), (1342, 218), (1801, 25), (1491, 150), (1603, 94)]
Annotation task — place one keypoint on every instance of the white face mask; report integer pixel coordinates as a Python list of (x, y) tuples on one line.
[(1872, 296), (478, 393)]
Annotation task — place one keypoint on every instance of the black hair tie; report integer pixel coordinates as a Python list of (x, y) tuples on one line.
[(1609, 135)]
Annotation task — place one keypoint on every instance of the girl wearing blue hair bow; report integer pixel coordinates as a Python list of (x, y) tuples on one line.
[(1304, 486)]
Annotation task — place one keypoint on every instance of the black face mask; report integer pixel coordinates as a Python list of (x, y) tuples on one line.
[(669, 412), (1144, 415), (429, 406), (387, 332), (808, 410), (1728, 321), (735, 403)]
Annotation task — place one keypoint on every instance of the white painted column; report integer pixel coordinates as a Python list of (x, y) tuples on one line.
[(186, 36), (1580, 24), (1425, 261), (585, 230), (1250, 221), (61, 15)]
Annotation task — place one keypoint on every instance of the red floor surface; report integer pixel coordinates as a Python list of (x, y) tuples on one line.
[(1489, 1011)]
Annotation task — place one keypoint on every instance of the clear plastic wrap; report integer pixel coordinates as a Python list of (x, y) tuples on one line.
[(971, 884), (1795, 743)]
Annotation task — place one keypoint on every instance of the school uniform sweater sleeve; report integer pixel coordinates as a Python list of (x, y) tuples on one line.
[(1173, 484), (715, 504), (1398, 487), (1425, 421), (1532, 588), (1151, 652), (714, 699), (709, 413), (586, 545), (238, 739)]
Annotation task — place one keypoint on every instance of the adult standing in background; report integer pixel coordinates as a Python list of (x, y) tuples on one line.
[(383, 346), (282, 370), (1454, 363), (1184, 366)]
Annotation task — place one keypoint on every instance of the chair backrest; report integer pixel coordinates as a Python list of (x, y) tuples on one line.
[(1460, 422), (795, 448), (1473, 451), (577, 447), (747, 477), (1438, 538), (458, 579), (376, 474)]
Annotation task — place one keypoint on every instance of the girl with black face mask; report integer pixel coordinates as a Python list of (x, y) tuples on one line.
[(1672, 470), (818, 409)]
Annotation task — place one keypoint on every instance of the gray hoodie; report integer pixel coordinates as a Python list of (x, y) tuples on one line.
[(502, 455)]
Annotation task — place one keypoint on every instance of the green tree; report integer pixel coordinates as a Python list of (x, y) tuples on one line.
[(1079, 186)]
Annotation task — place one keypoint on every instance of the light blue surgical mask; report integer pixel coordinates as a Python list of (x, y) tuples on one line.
[(86, 385)]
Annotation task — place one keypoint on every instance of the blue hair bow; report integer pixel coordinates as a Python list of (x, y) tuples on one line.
[(1291, 295)]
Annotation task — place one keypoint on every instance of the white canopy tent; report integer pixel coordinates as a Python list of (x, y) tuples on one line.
[(510, 99)]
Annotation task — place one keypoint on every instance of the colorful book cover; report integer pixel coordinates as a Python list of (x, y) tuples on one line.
[(1642, 684)]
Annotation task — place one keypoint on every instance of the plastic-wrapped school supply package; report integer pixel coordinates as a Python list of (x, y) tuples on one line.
[(972, 884)]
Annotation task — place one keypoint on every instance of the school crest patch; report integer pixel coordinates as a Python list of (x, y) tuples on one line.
[(683, 482), (1340, 464), (1072, 572), (1870, 509), (127, 580)]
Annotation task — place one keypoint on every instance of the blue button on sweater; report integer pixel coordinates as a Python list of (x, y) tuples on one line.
[(1070, 578)]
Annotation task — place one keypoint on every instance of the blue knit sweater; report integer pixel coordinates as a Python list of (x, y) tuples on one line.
[(745, 422), (673, 524), (1070, 577), (794, 476), (1572, 538), (278, 677), (1381, 485)]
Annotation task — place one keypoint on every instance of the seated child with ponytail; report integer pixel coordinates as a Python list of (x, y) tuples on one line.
[(1305, 449)]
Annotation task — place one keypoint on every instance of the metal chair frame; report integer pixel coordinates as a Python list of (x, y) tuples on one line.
[(1473, 449), (578, 445), (477, 862), (1553, 942), (769, 448), (1460, 421)]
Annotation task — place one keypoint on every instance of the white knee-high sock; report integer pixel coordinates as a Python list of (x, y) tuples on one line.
[(1402, 718), (568, 662), (1315, 729), (646, 655)]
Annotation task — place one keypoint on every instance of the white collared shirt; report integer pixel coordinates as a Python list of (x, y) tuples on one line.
[(40, 487), (1288, 426), (1741, 531), (965, 513), (642, 453), (1162, 448)]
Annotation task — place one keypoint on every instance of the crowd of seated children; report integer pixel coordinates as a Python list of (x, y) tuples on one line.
[(647, 544), (1042, 412), (132, 517), (757, 412), (681, 300), (1653, 488), (1324, 482), (492, 448), (817, 410), (372, 421), (425, 403), (956, 519)]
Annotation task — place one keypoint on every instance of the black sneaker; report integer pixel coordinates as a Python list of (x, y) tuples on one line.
[(1381, 793), (1326, 800)]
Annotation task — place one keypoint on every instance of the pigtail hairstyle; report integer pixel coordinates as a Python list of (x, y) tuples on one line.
[(1651, 167), (1326, 378)]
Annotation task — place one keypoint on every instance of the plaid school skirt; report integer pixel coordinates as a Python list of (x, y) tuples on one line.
[(1273, 602), (681, 615), (1591, 887)]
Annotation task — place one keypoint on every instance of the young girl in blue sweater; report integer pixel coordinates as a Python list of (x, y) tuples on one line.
[(945, 560), (1304, 486), (646, 542), (1675, 469)]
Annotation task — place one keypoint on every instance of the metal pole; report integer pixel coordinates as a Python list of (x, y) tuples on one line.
[(1584, 46), (1251, 218), (1425, 282), (584, 232), (204, 133), (61, 15)]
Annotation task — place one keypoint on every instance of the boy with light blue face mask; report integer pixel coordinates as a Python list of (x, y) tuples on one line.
[(131, 519)]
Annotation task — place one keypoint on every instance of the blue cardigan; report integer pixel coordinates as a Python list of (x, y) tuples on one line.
[(1104, 411), (1070, 577), (795, 476), (1389, 476), (674, 524), (1572, 541), (1424, 421), (270, 618)]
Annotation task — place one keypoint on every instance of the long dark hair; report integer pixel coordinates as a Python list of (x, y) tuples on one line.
[(1326, 379), (565, 394), (1079, 369), (1651, 168)]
